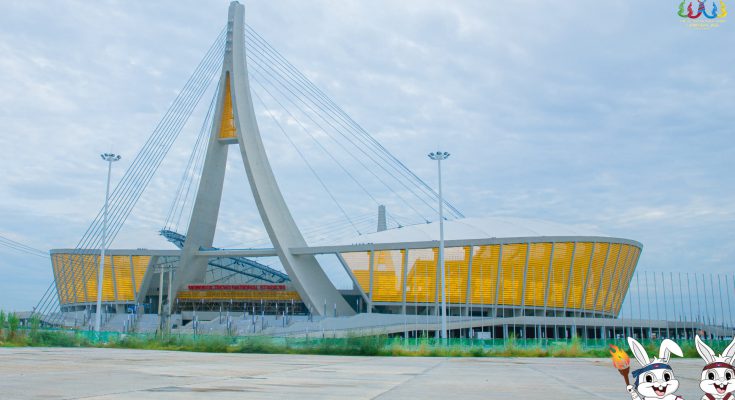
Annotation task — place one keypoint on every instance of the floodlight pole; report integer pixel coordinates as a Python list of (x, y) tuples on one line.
[(439, 156), (110, 158)]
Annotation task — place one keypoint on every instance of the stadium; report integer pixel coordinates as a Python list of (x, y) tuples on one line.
[(503, 276), (495, 268)]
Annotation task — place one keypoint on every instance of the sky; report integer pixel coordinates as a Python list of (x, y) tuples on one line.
[(611, 115)]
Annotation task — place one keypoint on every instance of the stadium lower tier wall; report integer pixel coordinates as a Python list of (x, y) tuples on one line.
[(533, 278)]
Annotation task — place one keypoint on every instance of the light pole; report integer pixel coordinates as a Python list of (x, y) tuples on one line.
[(110, 158), (438, 156)]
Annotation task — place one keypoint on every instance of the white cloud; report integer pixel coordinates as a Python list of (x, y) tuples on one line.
[(611, 115)]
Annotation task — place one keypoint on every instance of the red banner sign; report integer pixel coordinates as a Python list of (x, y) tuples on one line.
[(237, 287)]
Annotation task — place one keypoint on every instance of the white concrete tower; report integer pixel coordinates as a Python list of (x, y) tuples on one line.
[(234, 122)]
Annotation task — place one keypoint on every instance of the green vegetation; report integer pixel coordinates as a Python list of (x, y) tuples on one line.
[(32, 334), (13, 335), (12, 326), (353, 346)]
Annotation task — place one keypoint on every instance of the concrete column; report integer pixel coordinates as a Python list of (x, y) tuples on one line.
[(307, 276), (112, 274), (404, 262), (525, 277), (372, 289), (132, 276), (468, 292), (497, 279)]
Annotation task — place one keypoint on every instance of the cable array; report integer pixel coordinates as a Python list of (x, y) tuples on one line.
[(20, 247), (192, 173), (268, 64), (142, 169), (316, 114)]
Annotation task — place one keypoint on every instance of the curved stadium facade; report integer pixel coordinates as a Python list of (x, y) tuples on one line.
[(494, 267)]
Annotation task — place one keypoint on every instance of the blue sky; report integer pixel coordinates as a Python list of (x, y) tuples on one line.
[(614, 115)]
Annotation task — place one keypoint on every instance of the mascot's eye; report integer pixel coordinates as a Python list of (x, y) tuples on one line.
[(649, 378), (711, 376), (728, 375), (667, 376)]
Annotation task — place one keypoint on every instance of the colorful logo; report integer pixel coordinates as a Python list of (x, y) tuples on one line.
[(711, 13)]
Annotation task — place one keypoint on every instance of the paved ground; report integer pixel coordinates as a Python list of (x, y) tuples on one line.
[(39, 373)]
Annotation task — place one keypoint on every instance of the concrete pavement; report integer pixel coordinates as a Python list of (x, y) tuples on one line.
[(54, 373)]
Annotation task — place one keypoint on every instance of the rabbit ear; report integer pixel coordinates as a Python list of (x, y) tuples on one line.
[(668, 346), (639, 352), (704, 351), (730, 351)]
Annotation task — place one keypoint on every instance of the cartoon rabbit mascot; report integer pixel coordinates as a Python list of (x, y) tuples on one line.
[(718, 376), (655, 379)]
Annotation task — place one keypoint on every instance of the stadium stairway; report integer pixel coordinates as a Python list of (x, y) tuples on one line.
[(146, 323), (116, 323)]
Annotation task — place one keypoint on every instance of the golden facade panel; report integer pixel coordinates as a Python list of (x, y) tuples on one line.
[(618, 272), (359, 264), (511, 273), (560, 267), (625, 282), (484, 278), (76, 277), (596, 270), (456, 264), (537, 274), (582, 258), (388, 275), (607, 273), (421, 285)]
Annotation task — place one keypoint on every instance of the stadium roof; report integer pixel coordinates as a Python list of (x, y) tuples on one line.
[(475, 228)]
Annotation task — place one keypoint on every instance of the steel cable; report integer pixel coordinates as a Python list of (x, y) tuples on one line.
[(157, 141), (325, 100), (326, 131), (308, 164)]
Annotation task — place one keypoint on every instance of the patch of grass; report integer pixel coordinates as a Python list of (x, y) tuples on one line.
[(572, 349), (57, 339), (376, 345), (2, 324), (13, 324), (260, 345)]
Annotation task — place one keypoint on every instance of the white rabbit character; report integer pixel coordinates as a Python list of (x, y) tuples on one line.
[(718, 376), (655, 379)]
